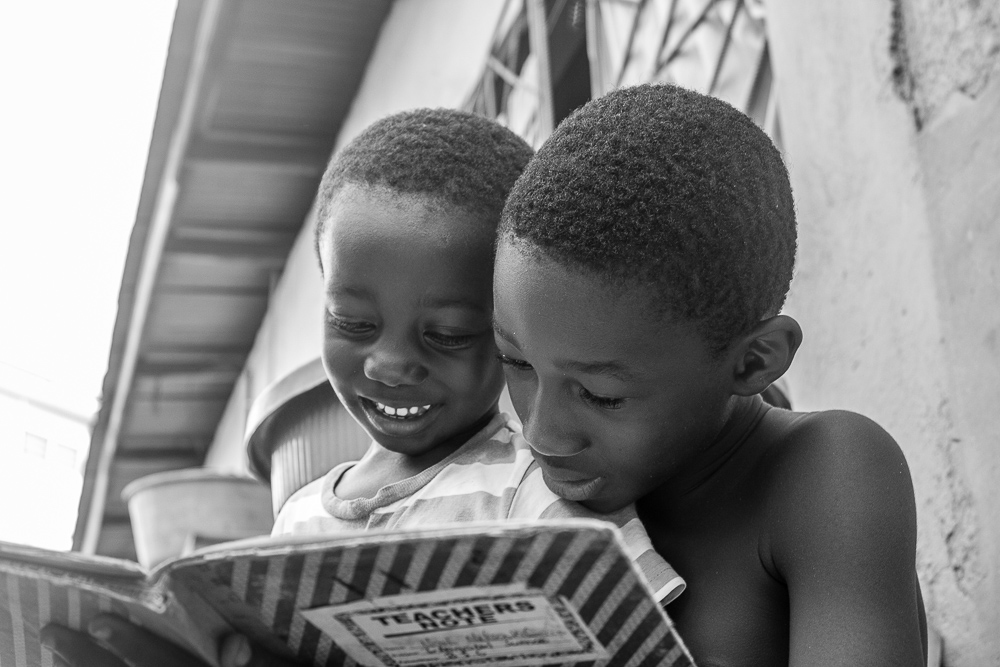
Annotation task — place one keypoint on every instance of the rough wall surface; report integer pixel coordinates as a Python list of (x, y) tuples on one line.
[(896, 284), (942, 48), (960, 156)]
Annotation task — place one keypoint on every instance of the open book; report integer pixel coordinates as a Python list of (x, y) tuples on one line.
[(506, 594)]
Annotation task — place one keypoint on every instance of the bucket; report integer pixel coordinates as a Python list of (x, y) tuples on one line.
[(177, 511)]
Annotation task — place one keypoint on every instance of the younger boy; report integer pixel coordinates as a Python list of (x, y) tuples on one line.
[(407, 216), (642, 262)]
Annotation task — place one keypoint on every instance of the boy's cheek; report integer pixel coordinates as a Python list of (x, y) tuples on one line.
[(631, 462)]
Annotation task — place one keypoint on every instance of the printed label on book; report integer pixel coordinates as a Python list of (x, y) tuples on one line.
[(508, 625)]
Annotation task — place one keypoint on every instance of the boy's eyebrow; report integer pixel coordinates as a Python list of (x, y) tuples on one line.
[(356, 292), (450, 302), (612, 369)]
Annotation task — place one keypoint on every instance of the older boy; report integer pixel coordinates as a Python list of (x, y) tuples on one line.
[(642, 262)]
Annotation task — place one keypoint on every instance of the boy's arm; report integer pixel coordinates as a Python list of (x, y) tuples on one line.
[(843, 539)]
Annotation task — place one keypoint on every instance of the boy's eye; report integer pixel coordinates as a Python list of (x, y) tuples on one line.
[(511, 362), (449, 341), (350, 327), (605, 402)]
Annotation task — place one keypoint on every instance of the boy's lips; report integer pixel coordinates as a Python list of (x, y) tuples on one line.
[(571, 484)]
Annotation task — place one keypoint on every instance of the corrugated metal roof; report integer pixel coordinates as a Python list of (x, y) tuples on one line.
[(270, 84)]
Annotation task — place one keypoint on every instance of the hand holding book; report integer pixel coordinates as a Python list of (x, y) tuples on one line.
[(114, 642)]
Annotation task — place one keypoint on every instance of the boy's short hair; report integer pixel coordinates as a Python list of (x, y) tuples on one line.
[(661, 186), (463, 159)]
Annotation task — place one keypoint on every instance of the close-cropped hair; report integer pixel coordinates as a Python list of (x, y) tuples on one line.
[(661, 187), (456, 157)]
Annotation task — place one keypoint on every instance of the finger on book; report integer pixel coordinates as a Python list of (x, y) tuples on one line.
[(237, 651), (76, 649), (137, 646)]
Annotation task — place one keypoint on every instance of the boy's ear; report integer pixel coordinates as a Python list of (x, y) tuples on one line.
[(763, 355)]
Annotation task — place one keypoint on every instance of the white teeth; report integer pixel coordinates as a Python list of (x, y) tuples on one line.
[(404, 413)]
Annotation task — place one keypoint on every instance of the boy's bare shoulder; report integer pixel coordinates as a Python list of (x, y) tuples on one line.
[(830, 442), (837, 491), (831, 464), (837, 448), (840, 533)]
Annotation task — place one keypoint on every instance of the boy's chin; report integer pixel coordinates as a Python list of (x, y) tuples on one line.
[(425, 436), (605, 505), (592, 493)]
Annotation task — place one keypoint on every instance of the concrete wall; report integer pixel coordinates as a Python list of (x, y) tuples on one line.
[(890, 115), (429, 53)]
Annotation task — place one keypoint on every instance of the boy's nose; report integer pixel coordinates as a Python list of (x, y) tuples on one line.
[(394, 368), (552, 446), (546, 429)]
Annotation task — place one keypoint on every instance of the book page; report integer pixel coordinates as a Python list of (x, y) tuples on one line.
[(70, 561)]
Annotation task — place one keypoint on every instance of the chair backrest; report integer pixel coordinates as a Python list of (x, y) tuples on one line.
[(297, 430)]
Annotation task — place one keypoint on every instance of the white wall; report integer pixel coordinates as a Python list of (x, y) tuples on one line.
[(895, 165), (429, 53)]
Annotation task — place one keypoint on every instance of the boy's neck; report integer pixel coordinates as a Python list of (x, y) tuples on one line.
[(745, 414)]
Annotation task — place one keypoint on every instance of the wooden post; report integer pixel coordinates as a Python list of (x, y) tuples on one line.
[(538, 37)]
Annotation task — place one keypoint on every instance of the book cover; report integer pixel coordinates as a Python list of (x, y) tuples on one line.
[(505, 594)]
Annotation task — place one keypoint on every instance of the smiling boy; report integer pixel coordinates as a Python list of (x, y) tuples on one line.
[(642, 262)]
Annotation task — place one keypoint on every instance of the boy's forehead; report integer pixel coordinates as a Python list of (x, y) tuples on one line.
[(535, 292), (578, 315), (522, 269), (376, 245), (366, 215)]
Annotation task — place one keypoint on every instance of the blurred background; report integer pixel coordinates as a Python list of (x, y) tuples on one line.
[(159, 377), (81, 84)]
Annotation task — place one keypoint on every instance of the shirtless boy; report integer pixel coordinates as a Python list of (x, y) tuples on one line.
[(642, 263)]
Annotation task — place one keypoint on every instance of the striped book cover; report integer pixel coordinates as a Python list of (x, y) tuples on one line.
[(500, 594), (38, 587)]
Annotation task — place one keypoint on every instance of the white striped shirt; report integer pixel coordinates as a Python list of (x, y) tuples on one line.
[(492, 476)]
